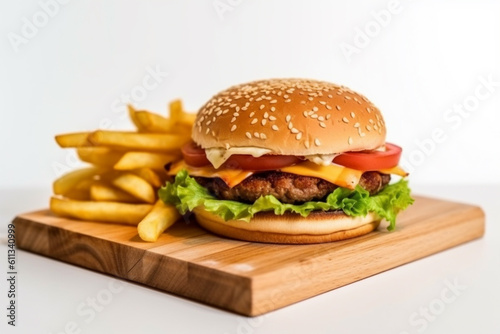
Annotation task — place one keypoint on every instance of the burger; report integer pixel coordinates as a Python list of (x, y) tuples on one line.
[(290, 161)]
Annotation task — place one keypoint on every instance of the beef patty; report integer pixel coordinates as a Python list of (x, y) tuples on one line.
[(288, 188)]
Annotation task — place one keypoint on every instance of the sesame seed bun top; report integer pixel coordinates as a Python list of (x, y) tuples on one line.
[(290, 117)]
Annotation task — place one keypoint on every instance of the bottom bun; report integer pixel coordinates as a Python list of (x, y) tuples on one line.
[(290, 228)]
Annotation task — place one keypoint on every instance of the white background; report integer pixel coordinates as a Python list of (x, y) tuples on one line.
[(425, 58)]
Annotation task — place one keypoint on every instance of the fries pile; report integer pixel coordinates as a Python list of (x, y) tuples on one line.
[(126, 169)]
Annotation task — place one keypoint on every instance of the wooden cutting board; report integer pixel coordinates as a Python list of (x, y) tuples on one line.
[(243, 277)]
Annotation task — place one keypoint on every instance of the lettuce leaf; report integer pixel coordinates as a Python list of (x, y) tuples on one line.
[(186, 194)]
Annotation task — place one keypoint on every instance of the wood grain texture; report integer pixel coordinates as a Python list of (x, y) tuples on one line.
[(243, 277)]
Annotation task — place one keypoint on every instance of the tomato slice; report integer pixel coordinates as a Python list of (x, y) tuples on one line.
[(196, 157), (371, 160)]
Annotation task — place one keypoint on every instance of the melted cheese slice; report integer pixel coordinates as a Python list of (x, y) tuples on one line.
[(336, 174), (231, 177)]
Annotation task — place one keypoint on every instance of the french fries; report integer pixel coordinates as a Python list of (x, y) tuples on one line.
[(125, 172), (138, 141), (77, 139), (133, 160), (112, 212), (135, 186), (99, 156), (108, 193), (70, 180), (161, 217)]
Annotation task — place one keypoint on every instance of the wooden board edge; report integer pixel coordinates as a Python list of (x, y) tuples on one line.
[(186, 280), (270, 298)]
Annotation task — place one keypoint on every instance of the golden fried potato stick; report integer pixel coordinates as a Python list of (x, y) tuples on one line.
[(151, 122), (132, 115), (161, 217), (179, 116), (75, 139), (104, 192), (135, 186), (133, 160), (138, 141), (112, 212), (69, 181), (155, 178), (99, 156)]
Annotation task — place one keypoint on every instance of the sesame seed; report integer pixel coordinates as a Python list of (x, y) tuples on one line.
[(338, 107), (251, 114), (306, 144), (275, 127), (237, 108), (323, 125), (227, 110), (219, 113), (315, 108), (310, 98), (266, 114), (258, 99), (328, 107), (263, 135), (213, 133), (272, 118), (298, 136), (349, 141), (314, 116), (288, 118), (255, 120), (263, 122), (233, 105), (375, 127), (330, 96), (345, 120), (236, 114), (208, 122), (362, 134), (356, 125), (273, 108), (328, 116), (305, 113), (256, 135), (290, 126), (208, 130), (302, 102), (288, 100), (321, 118), (353, 114), (368, 109), (317, 142), (233, 119), (322, 102), (262, 106), (294, 130), (285, 96), (347, 97), (371, 121), (233, 127), (369, 128), (273, 101), (248, 134)]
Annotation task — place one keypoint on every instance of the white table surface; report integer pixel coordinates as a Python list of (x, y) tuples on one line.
[(54, 297)]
